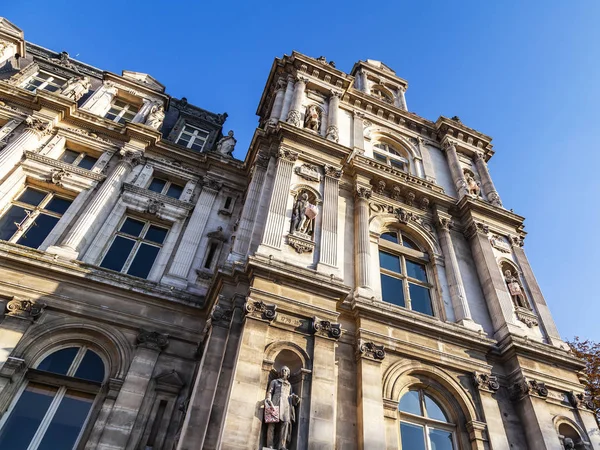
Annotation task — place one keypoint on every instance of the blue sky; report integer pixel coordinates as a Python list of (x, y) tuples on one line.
[(525, 73)]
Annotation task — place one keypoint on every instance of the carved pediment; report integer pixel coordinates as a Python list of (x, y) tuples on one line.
[(9, 28), (143, 79)]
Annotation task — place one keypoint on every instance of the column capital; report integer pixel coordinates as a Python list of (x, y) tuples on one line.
[(581, 400), (260, 310), (526, 388), (24, 309), (38, 126), (332, 171), (332, 133), (131, 157), (335, 94), (211, 185), (287, 155), (281, 84), (479, 156), (152, 340), (475, 228), (448, 144), (363, 192), (444, 223), (370, 350), (486, 382), (326, 328), (300, 79), (516, 241)]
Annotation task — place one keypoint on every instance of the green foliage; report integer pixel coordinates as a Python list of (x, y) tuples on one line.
[(589, 352)]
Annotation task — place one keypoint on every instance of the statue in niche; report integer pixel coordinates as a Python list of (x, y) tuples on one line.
[(472, 185), (303, 215), (155, 116), (226, 144), (515, 289), (76, 87), (312, 121), (280, 411)]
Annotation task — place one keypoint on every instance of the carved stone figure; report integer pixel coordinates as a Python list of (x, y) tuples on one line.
[(156, 116), (515, 290), (76, 87), (303, 215), (101, 100), (312, 121), (226, 144), (569, 444), (280, 411), (472, 185)]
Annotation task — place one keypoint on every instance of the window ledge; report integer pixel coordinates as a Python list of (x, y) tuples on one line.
[(65, 166)]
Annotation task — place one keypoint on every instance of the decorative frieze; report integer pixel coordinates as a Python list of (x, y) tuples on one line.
[(486, 382), (260, 310), (370, 350), (24, 309), (152, 340), (326, 328)]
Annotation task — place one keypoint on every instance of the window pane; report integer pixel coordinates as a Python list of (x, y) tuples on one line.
[(440, 440), (143, 261), (26, 416), (419, 299), (156, 234), (67, 421), (59, 361), (392, 290), (157, 185), (415, 270), (408, 243), (198, 145), (118, 253), (433, 409), (389, 262), (380, 157), (58, 205), (91, 367), (132, 226), (38, 231), (8, 221), (397, 164), (183, 139), (175, 191), (69, 156), (32, 196), (87, 162), (410, 403), (413, 436), (390, 236)]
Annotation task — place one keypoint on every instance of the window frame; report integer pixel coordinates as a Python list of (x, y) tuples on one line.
[(49, 80), (193, 137), (382, 94), (391, 156), (406, 253), (80, 157), (167, 186), (123, 110), (24, 226)]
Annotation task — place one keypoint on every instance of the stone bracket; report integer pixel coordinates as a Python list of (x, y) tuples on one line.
[(370, 350), (326, 328), (260, 310)]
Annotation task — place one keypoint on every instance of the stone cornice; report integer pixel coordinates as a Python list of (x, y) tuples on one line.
[(128, 187), (467, 140), (47, 55), (470, 209)]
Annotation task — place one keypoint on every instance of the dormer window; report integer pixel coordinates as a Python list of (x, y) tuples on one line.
[(192, 138), (45, 81), (120, 111), (386, 154), (382, 95)]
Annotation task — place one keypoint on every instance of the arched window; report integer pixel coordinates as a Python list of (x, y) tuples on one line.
[(382, 94), (424, 425), (387, 154), (404, 273), (54, 403)]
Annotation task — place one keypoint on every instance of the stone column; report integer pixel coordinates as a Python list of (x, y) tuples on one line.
[(124, 413), (29, 139), (488, 386), (100, 101), (278, 102), (21, 314), (371, 422), (333, 128), (186, 251), (248, 217), (279, 198), (363, 83), (486, 181), (7, 130), (456, 169), (428, 167), (99, 206), (287, 99), (358, 131), (295, 115), (362, 241), (143, 112), (547, 322), (329, 232), (402, 99), (458, 296), (494, 288)]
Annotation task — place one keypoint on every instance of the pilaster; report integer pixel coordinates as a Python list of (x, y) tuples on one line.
[(295, 115), (458, 176), (278, 101), (486, 181), (333, 128), (19, 316), (364, 282), (328, 256), (488, 385)]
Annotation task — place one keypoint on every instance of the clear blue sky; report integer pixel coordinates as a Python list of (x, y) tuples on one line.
[(525, 73)]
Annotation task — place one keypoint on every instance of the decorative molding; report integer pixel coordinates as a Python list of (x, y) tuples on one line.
[(152, 340), (370, 350), (301, 242), (154, 206), (213, 185), (525, 387), (24, 309), (332, 133), (87, 134), (526, 316), (64, 166), (486, 382), (128, 187), (57, 175), (294, 118), (308, 172), (326, 328), (287, 155), (363, 193), (11, 367), (40, 127), (260, 310), (581, 400), (499, 243), (333, 172)]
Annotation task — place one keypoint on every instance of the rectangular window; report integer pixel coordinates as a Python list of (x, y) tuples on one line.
[(46, 81), (135, 247), (165, 187), (192, 138), (121, 111), (79, 159), (32, 216)]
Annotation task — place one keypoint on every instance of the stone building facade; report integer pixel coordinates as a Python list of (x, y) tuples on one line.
[(154, 287)]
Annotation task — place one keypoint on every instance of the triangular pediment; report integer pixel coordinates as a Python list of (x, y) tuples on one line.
[(171, 378), (379, 65), (145, 79), (8, 27)]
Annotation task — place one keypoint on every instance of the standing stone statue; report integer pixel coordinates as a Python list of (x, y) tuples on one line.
[(303, 215), (312, 121), (226, 144), (76, 87), (156, 116), (472, 185), (280, 408), (514, 288)]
